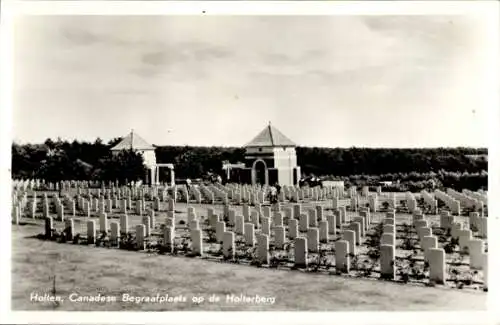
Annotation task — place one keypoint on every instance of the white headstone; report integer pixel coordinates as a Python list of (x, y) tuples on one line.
[(437, 266), (387, 260), (249, 234), (263, 248), (342, 256), (228, 248), (300, 252)]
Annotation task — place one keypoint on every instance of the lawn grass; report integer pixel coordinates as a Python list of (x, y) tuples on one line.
[(90, 270)]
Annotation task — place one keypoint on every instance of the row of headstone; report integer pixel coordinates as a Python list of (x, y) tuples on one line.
[(435, 256), (483, 197), (315, 233), (465, 200), (452, 203), (430, 201)]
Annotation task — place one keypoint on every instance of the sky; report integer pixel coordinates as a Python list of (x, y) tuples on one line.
[(326, 81)]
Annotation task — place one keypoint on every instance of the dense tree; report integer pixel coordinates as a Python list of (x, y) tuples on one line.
[(413, 168), (127, 165)]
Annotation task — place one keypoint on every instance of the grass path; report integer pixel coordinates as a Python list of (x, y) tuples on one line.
[(89, 271)]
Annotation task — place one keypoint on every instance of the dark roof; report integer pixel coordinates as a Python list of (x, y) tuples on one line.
[(133, 141), (270, 137)]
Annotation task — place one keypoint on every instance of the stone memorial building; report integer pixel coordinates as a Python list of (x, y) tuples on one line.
[(270, 158), (134, 142)]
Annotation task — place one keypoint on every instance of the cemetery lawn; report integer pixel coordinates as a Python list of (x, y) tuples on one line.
[(90, 271)]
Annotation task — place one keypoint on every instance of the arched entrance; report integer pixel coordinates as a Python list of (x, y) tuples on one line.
[(259, 171)]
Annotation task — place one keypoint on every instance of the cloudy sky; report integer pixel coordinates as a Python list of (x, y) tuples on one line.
[(336, 81)]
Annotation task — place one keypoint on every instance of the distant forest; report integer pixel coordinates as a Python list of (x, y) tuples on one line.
[(57, 160)]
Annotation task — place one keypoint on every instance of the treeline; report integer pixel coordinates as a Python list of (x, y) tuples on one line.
[(416, 182), (54, 160), (368, 161), (63, 160)]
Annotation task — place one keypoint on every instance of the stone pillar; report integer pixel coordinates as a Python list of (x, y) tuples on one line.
[(301, 252)]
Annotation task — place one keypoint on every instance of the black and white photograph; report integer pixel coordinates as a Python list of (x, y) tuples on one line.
[(250, 162)]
